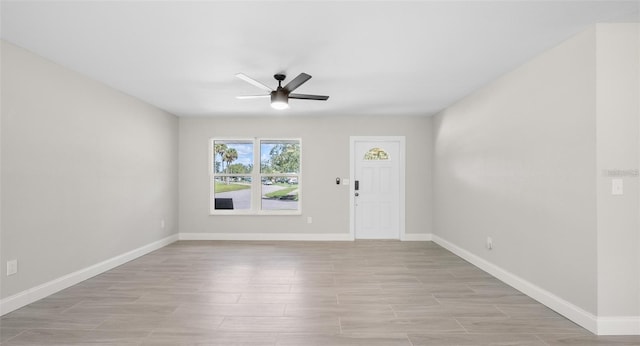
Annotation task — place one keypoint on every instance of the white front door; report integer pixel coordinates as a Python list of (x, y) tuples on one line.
[(377, 209)]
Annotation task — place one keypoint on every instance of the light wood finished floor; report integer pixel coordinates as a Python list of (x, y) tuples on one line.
[(294, 293)]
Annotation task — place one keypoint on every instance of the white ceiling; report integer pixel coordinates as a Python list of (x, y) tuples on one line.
[(378, 57)]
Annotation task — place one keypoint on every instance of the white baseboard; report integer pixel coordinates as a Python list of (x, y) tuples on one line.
[(289, 236), (619, 325), (268, 236), (597, 325), (31, 295), (417, 237)]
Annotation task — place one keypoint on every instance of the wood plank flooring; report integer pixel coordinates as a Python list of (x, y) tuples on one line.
[(294, 293)]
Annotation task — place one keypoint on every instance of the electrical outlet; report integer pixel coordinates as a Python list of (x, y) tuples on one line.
[(12, 267), (309, 219), (489, 243), (162, 223)]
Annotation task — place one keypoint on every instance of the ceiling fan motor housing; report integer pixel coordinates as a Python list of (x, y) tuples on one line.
[(279, 95)]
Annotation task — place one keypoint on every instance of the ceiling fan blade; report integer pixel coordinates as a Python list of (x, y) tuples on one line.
[(246, 97), (296, 82), (250, 80), (308, 97)]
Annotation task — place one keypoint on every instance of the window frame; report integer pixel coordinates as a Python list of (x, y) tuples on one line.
[(256, 176)]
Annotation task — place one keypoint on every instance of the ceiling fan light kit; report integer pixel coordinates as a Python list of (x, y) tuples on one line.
[(280, 97), (279, 100)]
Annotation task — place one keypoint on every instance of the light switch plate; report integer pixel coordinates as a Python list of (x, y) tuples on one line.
[(12, 267), (617, 187)]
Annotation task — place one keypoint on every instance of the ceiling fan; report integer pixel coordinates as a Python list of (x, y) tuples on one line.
[(280, 97)]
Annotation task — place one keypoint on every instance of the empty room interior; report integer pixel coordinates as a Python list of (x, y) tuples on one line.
[(320, 173)]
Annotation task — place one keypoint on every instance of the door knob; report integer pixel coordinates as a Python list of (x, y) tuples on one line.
[(357, 194)]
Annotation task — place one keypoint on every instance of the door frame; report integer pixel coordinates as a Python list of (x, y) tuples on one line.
[(401, 177)]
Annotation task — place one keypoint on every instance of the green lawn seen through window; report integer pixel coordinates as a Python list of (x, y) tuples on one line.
[(222, 187), (283, 192)]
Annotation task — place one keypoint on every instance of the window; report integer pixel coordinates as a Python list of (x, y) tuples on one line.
[(376, 154), (255, 176)]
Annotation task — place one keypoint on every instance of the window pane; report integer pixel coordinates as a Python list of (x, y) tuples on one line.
[(232, 157), (279, 156), (280, 193), (376, 154), (232, 192)]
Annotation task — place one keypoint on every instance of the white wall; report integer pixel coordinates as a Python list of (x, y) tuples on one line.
[(325, 146), (515, 161), (87, 172), (522, 161), (618, 109)]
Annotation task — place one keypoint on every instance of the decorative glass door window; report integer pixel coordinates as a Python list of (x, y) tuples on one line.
[(376, 154)]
